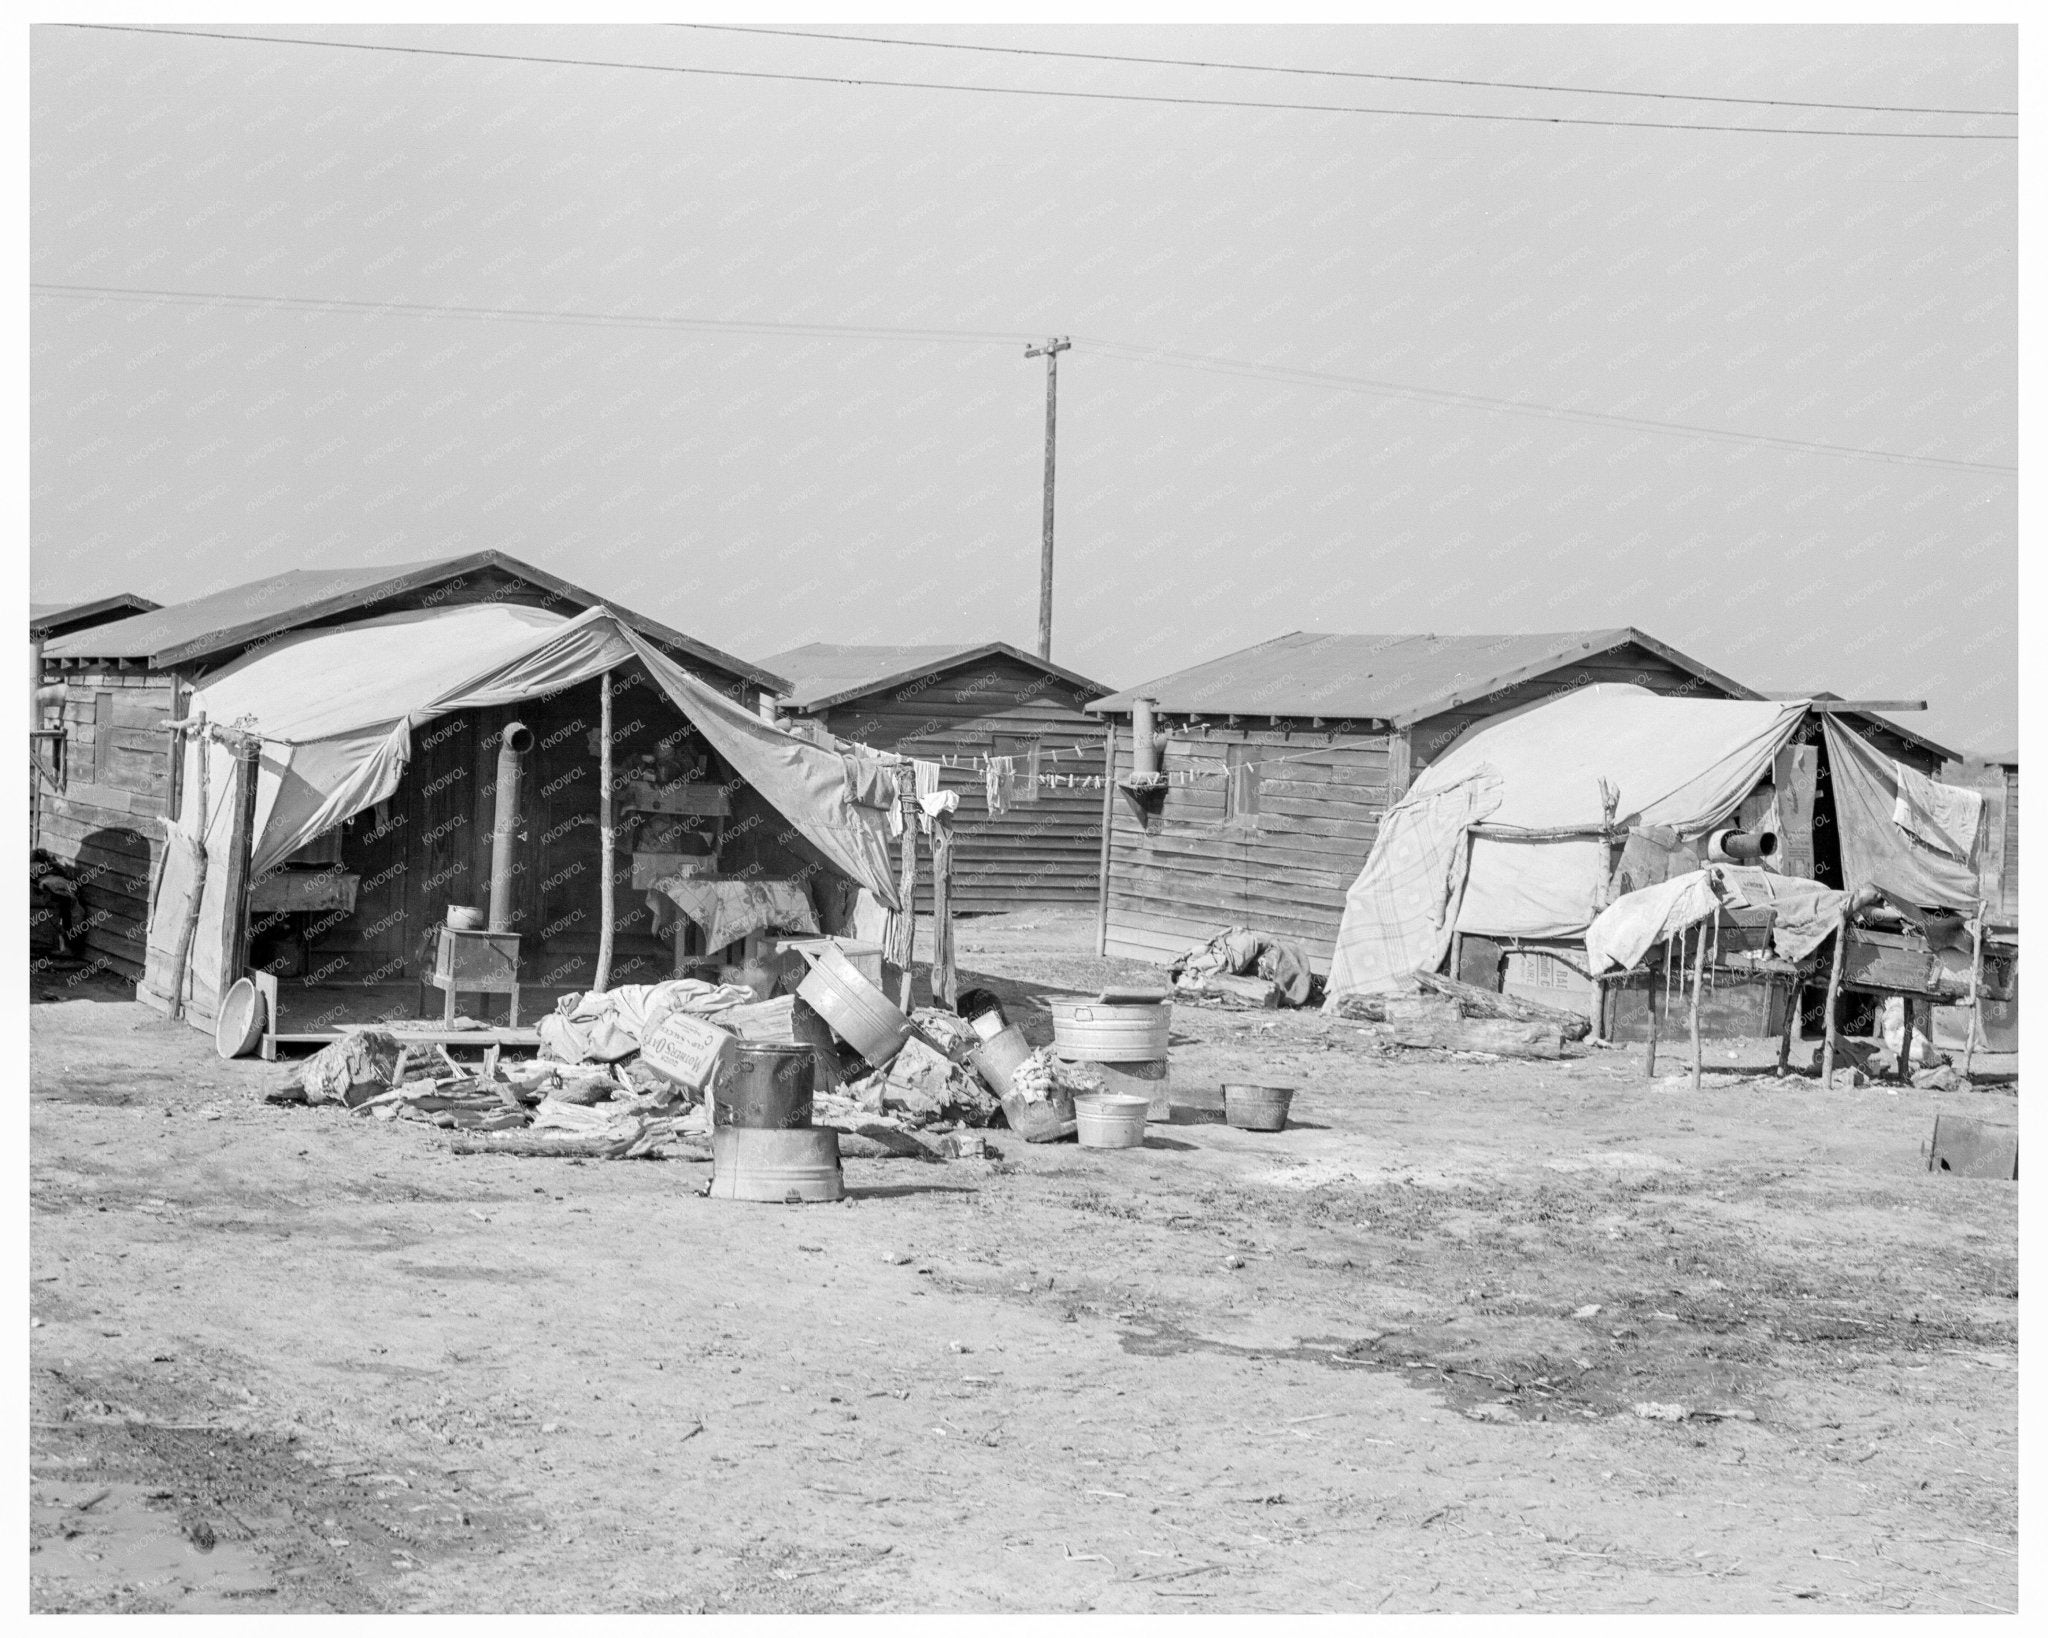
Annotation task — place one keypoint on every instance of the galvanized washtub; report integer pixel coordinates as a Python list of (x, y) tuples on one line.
[(1111, 1032), (860, 1015)]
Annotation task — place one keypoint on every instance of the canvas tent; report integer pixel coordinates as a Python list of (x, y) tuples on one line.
[(1508, 834), (1501, 836), (335, 710)]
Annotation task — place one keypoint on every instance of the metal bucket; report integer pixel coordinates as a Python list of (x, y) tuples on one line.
[(860, 1014), (786, 1167), (1105, 1032), (1110, 1121), (765, 1087), (997, 1058), (1256, 1108)]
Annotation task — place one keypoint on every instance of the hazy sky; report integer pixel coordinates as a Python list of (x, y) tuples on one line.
[(763, 489)]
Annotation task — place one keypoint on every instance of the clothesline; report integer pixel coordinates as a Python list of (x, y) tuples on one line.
[(980, 762)]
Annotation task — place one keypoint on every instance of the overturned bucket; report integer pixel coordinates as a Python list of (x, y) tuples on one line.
[(1256, 1108), (1110, 1120)]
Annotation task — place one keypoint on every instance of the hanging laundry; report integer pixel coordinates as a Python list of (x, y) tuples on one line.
[(1001, 781), (925, 777)]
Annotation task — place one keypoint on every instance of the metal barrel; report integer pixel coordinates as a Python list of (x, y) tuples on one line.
[(766, 1086), (997, 1058)]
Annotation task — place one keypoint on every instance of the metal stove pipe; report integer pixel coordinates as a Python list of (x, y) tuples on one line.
[(515, 742)]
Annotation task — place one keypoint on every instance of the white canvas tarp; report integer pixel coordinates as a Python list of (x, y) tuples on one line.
[(336, 710), (1683, 764)]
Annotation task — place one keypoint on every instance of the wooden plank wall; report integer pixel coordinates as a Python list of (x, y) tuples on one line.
[(103, 825), (1040, 851), (1180, 870)]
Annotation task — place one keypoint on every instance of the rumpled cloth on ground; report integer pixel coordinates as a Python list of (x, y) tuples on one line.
[(1240, 950), (1945, 817), (1397, 915), (603, 1026), (728, 910), (1804, 913)]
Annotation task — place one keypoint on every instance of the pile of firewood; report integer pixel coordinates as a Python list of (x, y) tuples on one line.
[(1444, 1014)]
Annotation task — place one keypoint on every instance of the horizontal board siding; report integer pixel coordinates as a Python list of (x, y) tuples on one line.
[(1181, 874), (1046, 850)]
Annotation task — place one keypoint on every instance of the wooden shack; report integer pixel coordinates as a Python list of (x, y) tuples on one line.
[(960, 706), (1279, 760), (354, 907)]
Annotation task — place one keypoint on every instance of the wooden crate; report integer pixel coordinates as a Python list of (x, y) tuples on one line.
[(1902, 964), (1735, 1007)]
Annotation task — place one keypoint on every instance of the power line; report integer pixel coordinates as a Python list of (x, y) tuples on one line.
[(1281, 374), (1029, 91), (1288, 376), (1349, 73), (632, 321)]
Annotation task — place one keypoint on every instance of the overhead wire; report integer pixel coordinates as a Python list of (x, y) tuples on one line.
[(1036, 91), (1284, 375), (1347, 73)]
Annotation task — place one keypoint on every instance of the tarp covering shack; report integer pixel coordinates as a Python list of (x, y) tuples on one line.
[(1508, 833), (336, 710)]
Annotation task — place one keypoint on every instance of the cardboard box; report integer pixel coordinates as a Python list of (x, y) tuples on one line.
[(687, 1050)]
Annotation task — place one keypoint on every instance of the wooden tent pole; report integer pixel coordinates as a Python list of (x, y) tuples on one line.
[(1827, 1051), (1976, 988), (1651, 997), (1699, 973), (181, 965), (945, 975), (906, 887), (606, 841), (1108, 818)]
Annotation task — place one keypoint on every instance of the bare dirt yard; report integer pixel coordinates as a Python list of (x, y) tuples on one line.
[(1390, 1359)]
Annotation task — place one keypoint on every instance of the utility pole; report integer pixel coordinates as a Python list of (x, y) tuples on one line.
[(1051, 351)]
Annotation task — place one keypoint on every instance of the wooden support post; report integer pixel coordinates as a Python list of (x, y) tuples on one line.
[(1650, 1052), (240, 858), (1905, 1065), (906, 888), (1699, 974), (1792, 992), (181, 963), (1108, 818), (1976, 986), (945, 975), (1827, 1051), (606, 842)]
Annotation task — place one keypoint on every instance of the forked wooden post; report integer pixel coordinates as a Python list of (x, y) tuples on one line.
[(606, 841)]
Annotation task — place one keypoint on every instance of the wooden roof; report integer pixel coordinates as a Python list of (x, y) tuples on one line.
[(1385, 678), (822, 675), (224, 621), (55, 619)]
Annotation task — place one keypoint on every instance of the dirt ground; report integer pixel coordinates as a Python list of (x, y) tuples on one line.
[(287, 1359)]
